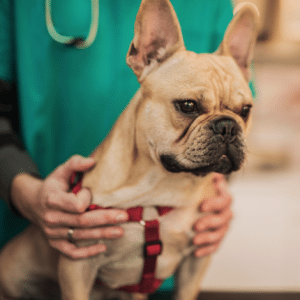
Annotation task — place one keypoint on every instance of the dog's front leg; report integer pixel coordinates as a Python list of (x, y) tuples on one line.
[(77, 277), (188, 277)]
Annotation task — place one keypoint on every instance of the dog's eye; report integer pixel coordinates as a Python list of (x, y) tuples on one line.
[(187, 106), (245, 111)]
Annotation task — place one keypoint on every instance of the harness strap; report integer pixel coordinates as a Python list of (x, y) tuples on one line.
[(152, 246), (75, 182)]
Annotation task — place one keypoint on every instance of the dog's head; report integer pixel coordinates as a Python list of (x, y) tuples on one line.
[(195, 108)]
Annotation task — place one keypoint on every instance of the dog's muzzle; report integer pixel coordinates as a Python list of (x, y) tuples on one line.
[(217, 146)]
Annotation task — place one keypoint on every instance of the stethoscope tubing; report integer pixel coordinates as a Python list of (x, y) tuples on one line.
[(77, 42)]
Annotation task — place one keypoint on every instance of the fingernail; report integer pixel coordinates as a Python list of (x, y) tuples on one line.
[(115, 232), (204, 207), (196, 241), (198, 253), (102, 248), (200, 228), (121, 217), (90, 160)]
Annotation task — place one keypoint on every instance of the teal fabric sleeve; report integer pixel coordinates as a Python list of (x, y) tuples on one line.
[(6, 40)]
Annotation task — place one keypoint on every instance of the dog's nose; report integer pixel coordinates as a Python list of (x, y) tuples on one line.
[(226, 127)]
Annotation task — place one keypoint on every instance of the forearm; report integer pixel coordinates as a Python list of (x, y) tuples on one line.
[(13, 157), (24, 191), (13, 161)]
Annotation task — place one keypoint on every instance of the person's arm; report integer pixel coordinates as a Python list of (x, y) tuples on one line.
[(49, 204), (13, 157), (45, 202)]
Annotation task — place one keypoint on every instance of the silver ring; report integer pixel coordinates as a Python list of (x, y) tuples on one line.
[(70, 236)]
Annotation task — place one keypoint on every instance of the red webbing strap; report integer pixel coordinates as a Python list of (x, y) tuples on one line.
[(152, 246), (75, 182), (135, 214), (162, 210)]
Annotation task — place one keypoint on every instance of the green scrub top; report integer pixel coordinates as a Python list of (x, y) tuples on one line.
[(70, 98)]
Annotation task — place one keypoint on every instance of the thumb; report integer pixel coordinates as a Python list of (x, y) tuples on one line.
[(217, 177), (218, 180), (76, 163)]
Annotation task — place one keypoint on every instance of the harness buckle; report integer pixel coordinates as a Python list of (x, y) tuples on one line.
[(152, 249)]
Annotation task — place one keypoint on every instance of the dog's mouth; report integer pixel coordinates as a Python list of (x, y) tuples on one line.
[(224, 165)]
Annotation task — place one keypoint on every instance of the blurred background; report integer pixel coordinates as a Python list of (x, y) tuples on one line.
[(262, 250)]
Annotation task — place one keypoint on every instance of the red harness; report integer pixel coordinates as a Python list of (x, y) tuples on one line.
[(152, 246)]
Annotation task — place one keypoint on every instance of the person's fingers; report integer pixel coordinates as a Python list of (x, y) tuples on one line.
[(217, 177), (76, 163), (218, 203), (210, 237), (100, 217), (221, 185), (108, 232), (69, 202), (93, 218), (214, 221), (75, 252), (206, 250)]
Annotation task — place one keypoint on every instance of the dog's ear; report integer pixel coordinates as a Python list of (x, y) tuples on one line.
[(157, 35), (240, 36)]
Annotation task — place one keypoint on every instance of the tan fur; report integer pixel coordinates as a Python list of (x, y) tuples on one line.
[(130, 169)]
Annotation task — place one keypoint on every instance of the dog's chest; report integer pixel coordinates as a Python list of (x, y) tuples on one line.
[(123, 263)]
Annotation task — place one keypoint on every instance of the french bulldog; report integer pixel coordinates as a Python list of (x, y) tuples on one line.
[(188, 119)]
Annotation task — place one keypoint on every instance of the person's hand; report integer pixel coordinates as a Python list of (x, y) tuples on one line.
[(212, 228), (49, 204)]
